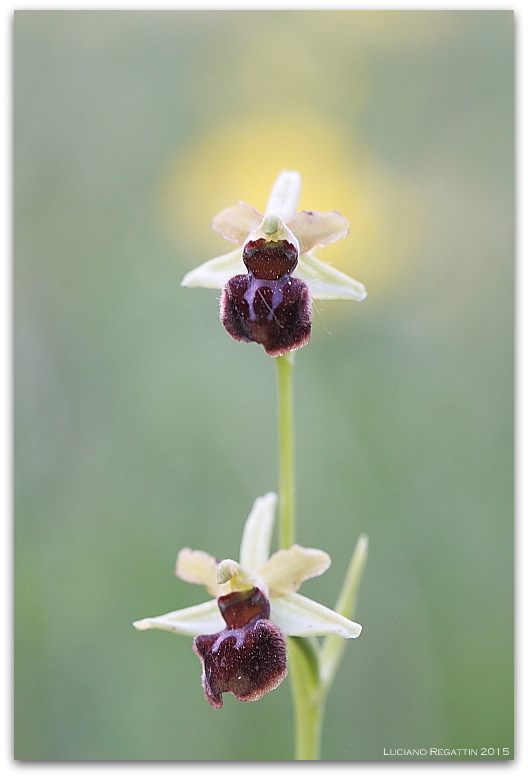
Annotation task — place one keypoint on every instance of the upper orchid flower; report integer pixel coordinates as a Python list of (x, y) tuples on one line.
[(243, 650), (268, 282)]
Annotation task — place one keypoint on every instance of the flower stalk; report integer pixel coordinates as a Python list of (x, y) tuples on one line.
[(284, 365), (308, 711), (302, 656), (312, 665)]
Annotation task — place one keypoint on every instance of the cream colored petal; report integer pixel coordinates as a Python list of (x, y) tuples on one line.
[(256, 538), (236, 222), (317, 228), (326, 282), (285, 570), (204, 619), (298, 615), (214, 273), (198, 567)]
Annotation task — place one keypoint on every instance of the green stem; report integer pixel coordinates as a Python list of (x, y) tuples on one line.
[(307, 702), (302, 654), (286, 450), (312, 666)]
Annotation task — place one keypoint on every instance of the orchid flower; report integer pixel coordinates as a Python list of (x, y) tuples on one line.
[(268, 283), (239, 635)]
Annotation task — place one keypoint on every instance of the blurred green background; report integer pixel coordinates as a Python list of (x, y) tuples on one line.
[(141, 427)]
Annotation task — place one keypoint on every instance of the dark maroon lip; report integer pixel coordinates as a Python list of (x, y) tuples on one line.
[(273, 312), (248, 657), (239, 608)]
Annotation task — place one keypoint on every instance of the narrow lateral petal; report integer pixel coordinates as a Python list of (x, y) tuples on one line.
[(196, 620), (285, 570), (256, 539), (214, 273), (236, 222), (317, 228), (326, 282), (298, 615), (197, 567)]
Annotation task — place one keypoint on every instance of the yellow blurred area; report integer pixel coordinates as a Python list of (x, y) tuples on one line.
[(287, 90), (239, 159)]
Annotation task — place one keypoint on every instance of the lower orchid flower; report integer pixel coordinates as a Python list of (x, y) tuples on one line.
[(239, 635), (267, 284)]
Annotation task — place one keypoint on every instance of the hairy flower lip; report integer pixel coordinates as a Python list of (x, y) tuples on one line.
[(274, 246), (273, 312), (248, 657)]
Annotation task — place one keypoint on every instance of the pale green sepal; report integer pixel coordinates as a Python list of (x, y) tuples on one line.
[(284, 194), (204, 619), (215, 273), (286, 569), (326, 282), (236, 222), (197, 567), (317, 228), (300, 616), (256, 538)]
